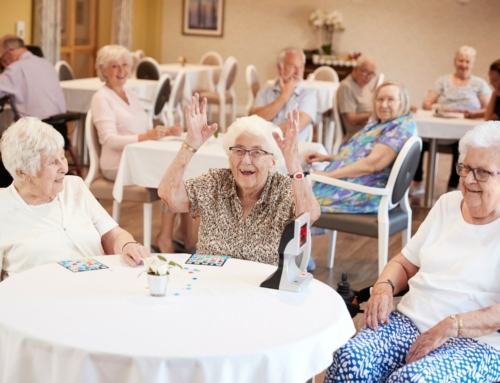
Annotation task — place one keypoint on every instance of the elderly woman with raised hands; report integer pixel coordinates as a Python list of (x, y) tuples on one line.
[(47, 216), (121, 120), (368, 156), (243, 209), (446, 327)]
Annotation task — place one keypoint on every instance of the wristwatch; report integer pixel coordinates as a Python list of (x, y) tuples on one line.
[(299, 175)]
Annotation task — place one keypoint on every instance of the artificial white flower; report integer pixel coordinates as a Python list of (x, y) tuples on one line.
[(158, 265)]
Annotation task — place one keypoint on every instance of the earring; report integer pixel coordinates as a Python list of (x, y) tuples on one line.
[(27, 179)]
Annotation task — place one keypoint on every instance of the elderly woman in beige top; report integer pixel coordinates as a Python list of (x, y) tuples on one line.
[(243, 209)]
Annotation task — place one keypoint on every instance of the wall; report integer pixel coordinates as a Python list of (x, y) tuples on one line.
[(413, 40), (13, 11)]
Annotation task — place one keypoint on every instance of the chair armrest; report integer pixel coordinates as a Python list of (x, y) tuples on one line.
[(349, 185)]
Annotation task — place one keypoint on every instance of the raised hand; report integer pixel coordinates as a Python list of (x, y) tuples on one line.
[(196, 120), (289, 145)]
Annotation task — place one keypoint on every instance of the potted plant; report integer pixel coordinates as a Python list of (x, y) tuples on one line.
[(158, 270), (326, 23)]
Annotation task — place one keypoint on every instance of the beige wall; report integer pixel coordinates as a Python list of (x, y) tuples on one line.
[(413, 40), (12, 12)]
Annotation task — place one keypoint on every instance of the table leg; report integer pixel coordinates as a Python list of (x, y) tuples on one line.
[(431, 173)]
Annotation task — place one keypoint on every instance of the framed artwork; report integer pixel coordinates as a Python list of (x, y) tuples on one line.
[(203, 17)]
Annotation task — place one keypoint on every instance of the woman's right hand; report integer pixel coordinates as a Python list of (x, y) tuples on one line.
[(379, 306), (157, 133), (317, 157), (196, 121)]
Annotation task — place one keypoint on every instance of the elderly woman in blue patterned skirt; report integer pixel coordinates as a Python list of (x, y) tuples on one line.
[(446, 327)]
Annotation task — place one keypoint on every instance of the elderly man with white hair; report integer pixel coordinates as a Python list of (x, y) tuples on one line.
[(355, 97), (274, 103), (245, 208), (47, 216)]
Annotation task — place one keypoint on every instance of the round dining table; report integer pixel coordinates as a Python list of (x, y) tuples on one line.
[(215, 324)]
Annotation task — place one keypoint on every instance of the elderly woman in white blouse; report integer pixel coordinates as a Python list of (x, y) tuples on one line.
[(120, 120), (446, 327), (245, 208), (47, 216)]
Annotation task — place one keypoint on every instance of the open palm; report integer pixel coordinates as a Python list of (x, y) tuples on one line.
[(196, 120)]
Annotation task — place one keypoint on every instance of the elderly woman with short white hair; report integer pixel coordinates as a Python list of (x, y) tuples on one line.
[(446, 327), (47, 216), (121, 120), (245, 208)]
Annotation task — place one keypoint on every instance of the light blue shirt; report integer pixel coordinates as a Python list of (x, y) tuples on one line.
[(304, 100)]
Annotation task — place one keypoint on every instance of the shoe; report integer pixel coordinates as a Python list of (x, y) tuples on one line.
[(179, 247), (155, 248), (311, 265), (417, 190)]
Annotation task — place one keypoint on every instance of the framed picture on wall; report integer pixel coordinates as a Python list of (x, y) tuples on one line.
[(203, 17)]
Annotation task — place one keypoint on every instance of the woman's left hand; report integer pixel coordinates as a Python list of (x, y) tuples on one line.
[(430, 340), (134, 252), (289, 145)]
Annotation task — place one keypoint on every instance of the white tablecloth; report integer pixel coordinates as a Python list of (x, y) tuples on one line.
[(144, 163), (78, 93), (198, 77), (214, 325), (438, 127)]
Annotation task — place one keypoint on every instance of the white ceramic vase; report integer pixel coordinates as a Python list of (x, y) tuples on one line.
[(157, 285)]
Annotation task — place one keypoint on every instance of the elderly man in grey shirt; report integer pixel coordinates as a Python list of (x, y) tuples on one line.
[(273, 103), (355, 97), (31, 81)]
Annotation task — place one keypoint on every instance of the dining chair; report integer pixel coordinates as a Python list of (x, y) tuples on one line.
[(215, 59), (225, 92), (378, 81), (172, 111), (64, 71), (154, 107), (253, 86), (148, 69), (394, 211), (326, 73), (102, 188)]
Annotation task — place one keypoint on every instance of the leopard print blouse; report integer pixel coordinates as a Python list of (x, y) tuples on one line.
[(223, 231)]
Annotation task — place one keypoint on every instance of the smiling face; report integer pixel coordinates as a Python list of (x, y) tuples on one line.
[(116, 72), (463, 66), (292, 67), (49, 179), (250, 173), (482, 198), (388, 103), (494, 79)]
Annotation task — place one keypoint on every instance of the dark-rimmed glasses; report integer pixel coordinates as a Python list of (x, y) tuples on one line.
[(480, 175), (253, 153)]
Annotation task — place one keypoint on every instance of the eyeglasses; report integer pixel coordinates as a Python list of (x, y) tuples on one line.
[(480, 175), (253, 153), (366, 73), (390, 101)]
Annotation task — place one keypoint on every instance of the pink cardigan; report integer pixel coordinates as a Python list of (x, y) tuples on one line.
[(117, 123)]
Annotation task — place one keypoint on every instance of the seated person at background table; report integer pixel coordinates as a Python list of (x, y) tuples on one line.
[(120, 120), (367, 158), (355, 96), (243, 209), (273, 103), (31, 81), (493, 108), (459, 92), (47, 216), (445, 327)]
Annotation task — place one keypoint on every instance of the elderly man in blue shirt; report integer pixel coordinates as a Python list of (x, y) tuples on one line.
[(274, 102)]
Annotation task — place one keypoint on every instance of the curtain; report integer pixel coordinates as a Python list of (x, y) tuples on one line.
[(47, 28), (122, 25)]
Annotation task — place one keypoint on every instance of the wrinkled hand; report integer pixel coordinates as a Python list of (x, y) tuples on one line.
[(196, 120), (175, 130), (379, 306), (316, 157), (289, 145), (287, 86), (133, 254), (430, 340), (158, 132)]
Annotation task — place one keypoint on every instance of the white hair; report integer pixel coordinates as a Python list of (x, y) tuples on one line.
[(364, 58), (485, 135), (23, 144), (256, 126), (284, 52), (466, 51), (110, 53)]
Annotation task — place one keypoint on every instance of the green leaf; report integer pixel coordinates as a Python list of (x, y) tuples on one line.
[(162, 258), (216, 133), (172, 263)]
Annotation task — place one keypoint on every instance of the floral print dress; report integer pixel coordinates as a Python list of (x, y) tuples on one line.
[(334, 199)]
